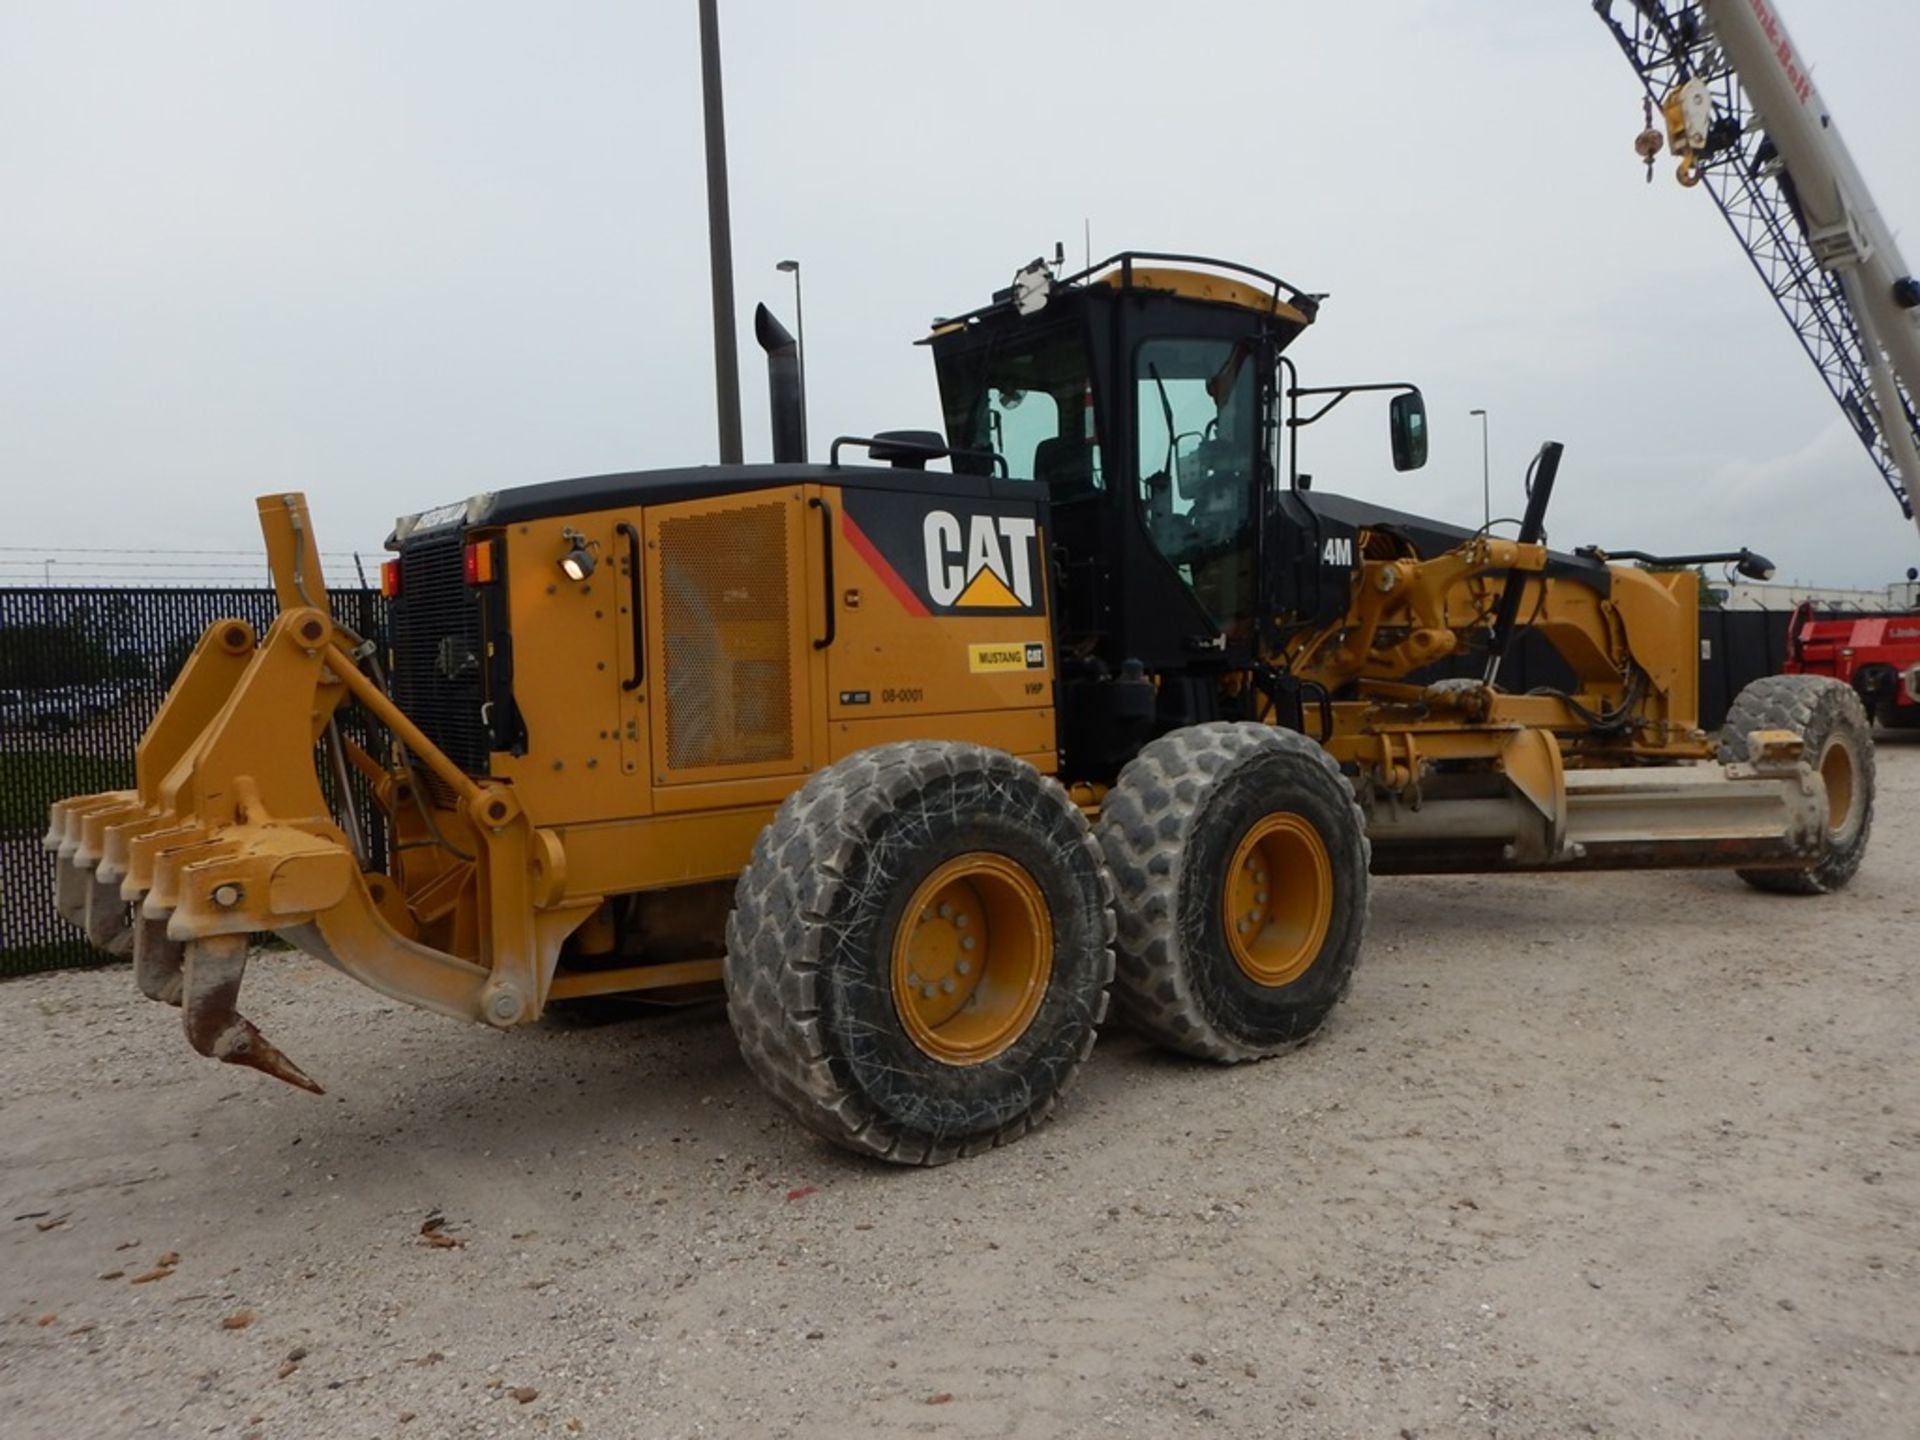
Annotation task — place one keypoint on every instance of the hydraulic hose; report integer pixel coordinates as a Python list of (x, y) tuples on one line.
[(1533, 526)]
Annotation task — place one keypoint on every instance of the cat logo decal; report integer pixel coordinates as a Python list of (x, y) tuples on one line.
[(991, 568), (943, 555)]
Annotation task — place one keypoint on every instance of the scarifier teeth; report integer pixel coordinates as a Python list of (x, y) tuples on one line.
[(109, 920), (70, 887), (88, 893), (157, 960)]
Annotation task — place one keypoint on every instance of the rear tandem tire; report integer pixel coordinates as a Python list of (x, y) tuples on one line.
[(1239, 861), (920, 950), (1828, 716)]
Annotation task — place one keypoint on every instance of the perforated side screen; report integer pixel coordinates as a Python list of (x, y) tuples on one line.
[(729, 643)]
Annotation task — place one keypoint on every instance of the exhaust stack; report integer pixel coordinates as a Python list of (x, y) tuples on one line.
[(783, 388)]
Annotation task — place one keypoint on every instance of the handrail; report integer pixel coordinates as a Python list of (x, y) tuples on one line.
[(928, 452), (633, 582), (826, 538)]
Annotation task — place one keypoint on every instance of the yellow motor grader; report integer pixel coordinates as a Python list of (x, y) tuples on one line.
[(918, 765)]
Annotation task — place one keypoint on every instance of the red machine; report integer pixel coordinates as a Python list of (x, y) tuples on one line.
[(1879, 655)]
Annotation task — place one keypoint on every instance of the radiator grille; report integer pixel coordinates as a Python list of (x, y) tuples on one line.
[(439, 653), (729, 642)]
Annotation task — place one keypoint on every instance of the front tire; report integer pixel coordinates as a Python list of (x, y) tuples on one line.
[(1828, 717), (1239, 861), (920, 950)]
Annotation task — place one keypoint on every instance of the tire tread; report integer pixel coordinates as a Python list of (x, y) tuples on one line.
[(780, 923), (1812, 707), (1143, 825)]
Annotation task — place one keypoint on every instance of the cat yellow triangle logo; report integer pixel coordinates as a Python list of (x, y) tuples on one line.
[(988, 589)]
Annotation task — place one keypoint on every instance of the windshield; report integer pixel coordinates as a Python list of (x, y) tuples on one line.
[(1030, 403)]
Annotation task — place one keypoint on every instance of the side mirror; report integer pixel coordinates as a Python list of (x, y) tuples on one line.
[(1407, 422)]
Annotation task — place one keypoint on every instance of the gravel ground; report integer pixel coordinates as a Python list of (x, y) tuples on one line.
[(1631, 1155)]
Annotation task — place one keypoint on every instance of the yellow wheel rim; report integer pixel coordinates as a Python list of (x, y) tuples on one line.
[(1836, 770), (971, 958), (1278, 899)]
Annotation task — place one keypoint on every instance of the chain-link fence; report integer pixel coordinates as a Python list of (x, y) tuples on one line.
[(82, 671)]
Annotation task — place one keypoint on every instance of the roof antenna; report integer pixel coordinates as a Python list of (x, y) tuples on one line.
[(1086, 226)]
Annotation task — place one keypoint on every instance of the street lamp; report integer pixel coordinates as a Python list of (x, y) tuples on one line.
[(1486, 474), (792, 267)]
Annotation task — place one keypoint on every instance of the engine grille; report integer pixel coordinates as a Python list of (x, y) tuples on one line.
[(729, 638), (439, 666)]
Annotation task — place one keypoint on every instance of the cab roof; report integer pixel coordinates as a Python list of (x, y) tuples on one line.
[(1188, 277)]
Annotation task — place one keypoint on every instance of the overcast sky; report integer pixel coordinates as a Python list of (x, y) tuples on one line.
[(395, 253)]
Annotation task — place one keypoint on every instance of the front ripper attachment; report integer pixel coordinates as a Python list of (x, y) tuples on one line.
[(227, 835), (213, 971)]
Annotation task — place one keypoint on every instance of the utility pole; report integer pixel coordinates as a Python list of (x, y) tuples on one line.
[(1486, 476), (726, 357), (792, 267)]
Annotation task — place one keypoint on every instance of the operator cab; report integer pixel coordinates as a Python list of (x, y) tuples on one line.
[(1151, 396)]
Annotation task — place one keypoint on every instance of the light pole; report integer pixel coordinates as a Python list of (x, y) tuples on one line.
[(792, 267), (1486, 475), (726, 358), (46, 571)]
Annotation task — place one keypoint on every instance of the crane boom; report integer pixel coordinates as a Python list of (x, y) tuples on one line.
[(1743, 114)]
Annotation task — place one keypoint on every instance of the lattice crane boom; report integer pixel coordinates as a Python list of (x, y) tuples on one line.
[(1742, 113)]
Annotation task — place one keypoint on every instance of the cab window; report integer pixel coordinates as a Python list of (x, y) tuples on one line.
[(1031, 404), (1019, 422), (1197, 423)]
